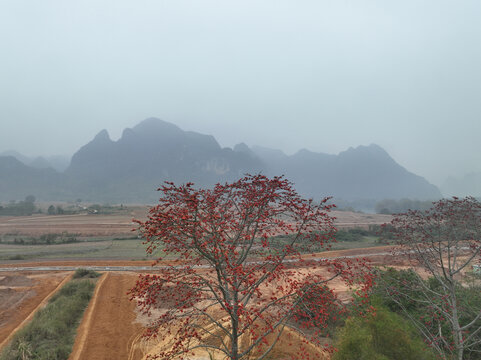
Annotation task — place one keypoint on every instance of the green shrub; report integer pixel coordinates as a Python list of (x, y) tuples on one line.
[(16, 257), (84, 273), (383, 335)]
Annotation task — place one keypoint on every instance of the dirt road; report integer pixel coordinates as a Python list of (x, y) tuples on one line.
[(374, 253), (108, 330)]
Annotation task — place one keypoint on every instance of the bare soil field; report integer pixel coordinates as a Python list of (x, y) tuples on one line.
[(121, 224), (111, 327), (82, 224), (349, 219), (21, 294)]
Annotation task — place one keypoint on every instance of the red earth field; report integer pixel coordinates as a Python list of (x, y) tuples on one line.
[(111, 327), (121, 224), (21, 295)]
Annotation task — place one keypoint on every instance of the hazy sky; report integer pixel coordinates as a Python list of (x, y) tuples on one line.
[(321, 75)]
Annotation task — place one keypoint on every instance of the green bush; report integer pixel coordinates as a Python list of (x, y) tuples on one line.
[(383, 335), (84, 273)]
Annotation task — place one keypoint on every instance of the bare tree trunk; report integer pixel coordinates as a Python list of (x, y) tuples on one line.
[(458, 335), (235, 334)]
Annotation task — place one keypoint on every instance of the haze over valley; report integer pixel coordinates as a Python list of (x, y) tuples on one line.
[(131, 168), (322, 76)]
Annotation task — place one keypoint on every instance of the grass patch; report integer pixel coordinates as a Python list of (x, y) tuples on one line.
[(363, 242), (51, 333), (343, 240)]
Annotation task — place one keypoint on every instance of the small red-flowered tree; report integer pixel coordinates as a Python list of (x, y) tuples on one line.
[(445, 241), (230, 279)]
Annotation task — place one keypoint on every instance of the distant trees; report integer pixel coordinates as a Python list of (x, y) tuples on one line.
[(390, 206), (21, 208), (55, 210), (30, 199)]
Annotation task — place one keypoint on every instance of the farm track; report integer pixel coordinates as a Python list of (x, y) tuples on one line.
[(145, 266), (109, 330), (82, 330)]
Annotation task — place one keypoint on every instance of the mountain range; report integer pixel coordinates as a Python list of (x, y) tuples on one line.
[(131, 168), (56, 162)]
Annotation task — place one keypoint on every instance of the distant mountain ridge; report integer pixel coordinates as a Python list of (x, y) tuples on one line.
[(365, 172), (150, 153), (131, 168), (56, 162), (18, 180)]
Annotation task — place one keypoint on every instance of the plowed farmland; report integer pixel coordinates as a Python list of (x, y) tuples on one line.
[(121, 224)]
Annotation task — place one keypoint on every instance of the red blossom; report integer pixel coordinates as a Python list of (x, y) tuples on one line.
[(226, 275)]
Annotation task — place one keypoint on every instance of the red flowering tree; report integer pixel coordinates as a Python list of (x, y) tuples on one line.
[(445, 241), (233, 268)]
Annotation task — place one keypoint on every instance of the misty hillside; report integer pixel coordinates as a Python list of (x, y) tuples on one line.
[(154, 151), (18, 180), (56, 162), (131, 168), (365, 172)]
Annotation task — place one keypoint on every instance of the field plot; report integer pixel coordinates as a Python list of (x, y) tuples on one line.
[(349, 219), (92, 225), (110, 237), (80, 236), (21, 295), (111, 327), (83, 224)]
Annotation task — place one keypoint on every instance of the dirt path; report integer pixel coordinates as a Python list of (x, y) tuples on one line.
[(108, 330), (19, 313), (359, 252)]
